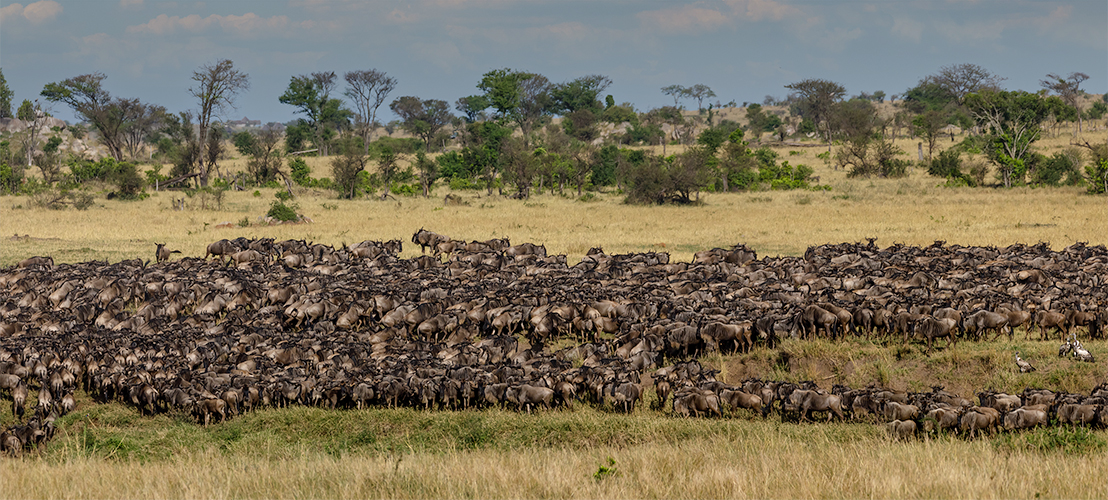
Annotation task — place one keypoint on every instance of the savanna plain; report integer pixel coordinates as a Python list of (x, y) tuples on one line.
[(111, 451)]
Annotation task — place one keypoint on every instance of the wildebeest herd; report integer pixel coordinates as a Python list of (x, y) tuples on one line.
[(277, 323)]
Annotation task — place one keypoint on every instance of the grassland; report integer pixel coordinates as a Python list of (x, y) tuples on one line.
[(111, 451), (916, 210)]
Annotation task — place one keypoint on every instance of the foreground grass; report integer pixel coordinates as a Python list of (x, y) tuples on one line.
[(300, 452)]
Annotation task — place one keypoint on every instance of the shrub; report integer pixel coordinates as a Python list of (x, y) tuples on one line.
[(299, 172), (1056, 170), (11, 178), (280, 211), (452, 165), (406, 189)]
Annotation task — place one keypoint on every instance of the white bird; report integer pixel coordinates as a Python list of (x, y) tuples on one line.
[(1080, 353), (1024, 366)]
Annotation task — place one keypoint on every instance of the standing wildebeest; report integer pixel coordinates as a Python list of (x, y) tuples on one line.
[(161, 253), (425, 238), (220, 249), (981, 322), (1046, 320)]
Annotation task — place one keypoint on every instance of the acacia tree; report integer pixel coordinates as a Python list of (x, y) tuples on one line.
[(963, 79), (216, 86), (817, 99), (1012, 120), (90, 101), (423, 118), (700, 92), (1069, 89), (676, 92), (368, 90)]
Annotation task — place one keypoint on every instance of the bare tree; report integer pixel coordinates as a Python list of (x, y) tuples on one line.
[(965, 78), (216, 87), (368, 90), (144, 120), (1069, 89)]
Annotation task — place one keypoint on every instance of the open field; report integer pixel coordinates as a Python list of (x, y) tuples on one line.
[(494, 453), (914, 211)]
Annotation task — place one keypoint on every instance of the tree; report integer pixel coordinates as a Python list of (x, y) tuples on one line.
[(266, 157), (142, 124), (676, 92), (215, 86), (520, 164), (367, 90), (90, 101), (817, 99), (963, 79), (6, 95), (928, 126), (520, 97), (311, 94), (1069, 89), (345, 170), (471, 107), (700, 92), (423, 118), (1012, 120), (428, 172), (580, 94), (33, 115), (928, 95), (865, 150), (388, 167)]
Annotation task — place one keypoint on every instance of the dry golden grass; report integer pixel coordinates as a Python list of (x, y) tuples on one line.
[(762, 462), (915, 211)]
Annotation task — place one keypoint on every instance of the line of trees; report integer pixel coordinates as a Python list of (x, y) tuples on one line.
[(505, 138)]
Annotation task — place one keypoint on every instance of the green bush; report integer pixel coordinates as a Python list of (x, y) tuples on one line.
[(1053, 171), (406, 189), (300, 173), (452, 165), (11, 178), (282, 212), (407, 145)]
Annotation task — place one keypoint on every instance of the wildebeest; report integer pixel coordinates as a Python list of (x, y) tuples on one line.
[(161, 253), (901, 429)]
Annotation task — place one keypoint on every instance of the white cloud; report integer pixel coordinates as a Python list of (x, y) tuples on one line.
[(686, 19), (246, 25), (909, 29), (757, 10), (699, 18), (35, 13)]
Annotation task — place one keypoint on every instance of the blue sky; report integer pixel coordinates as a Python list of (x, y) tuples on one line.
[(742, 49)]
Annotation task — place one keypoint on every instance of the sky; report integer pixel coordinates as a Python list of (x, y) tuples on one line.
[(743, 50)]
